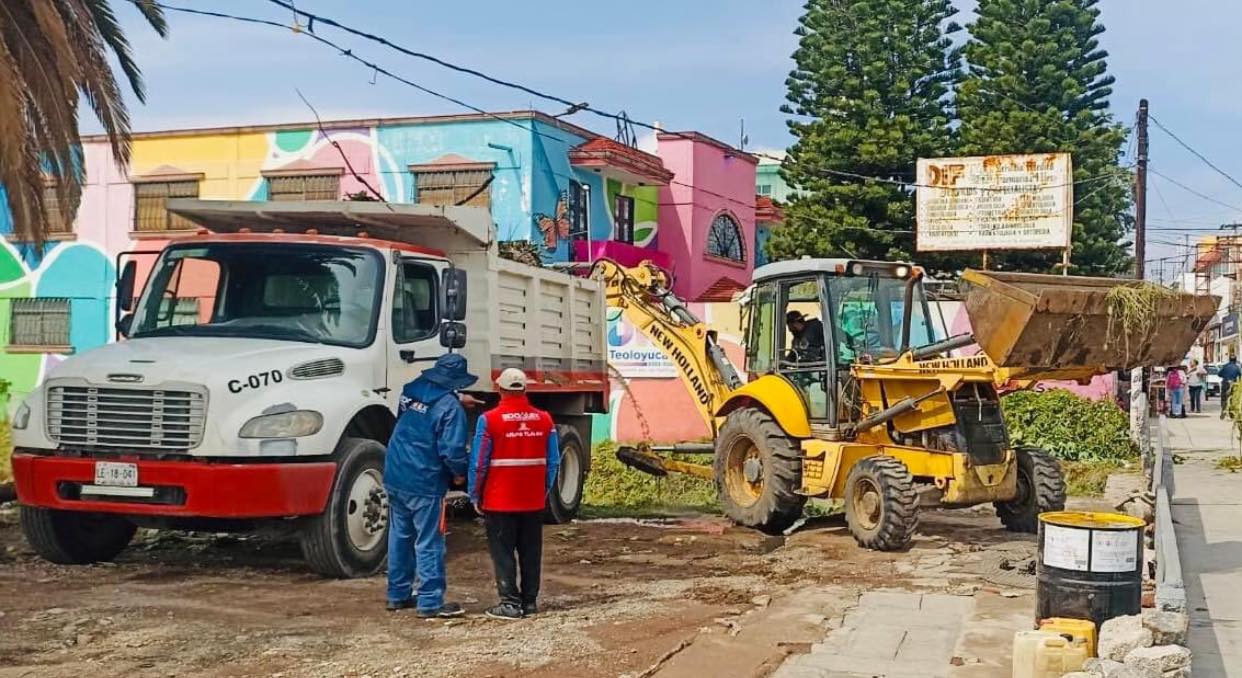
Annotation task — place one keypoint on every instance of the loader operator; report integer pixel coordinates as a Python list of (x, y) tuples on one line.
[(808, 338)]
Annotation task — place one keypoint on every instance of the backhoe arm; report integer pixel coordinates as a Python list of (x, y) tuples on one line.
[(642, 293)]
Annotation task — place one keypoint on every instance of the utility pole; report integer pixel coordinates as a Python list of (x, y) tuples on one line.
[(1140, 194)]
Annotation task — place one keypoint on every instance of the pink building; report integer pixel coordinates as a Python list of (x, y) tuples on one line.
[(707, 215)]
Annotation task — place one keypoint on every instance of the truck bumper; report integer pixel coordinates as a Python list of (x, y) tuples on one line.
[(180, 488)]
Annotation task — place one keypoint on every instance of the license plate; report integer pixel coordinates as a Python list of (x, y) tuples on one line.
[(116, 474)]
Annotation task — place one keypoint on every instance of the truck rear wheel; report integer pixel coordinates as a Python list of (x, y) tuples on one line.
[(1041, 487), (565, 499), (350, 537), (881, 505), (73, 537), (758, 468)]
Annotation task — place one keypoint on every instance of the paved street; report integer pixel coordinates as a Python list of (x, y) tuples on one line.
[(891, 633), (1207, 510)]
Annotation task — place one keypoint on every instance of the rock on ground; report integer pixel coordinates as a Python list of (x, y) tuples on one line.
[(1158, 660), (1108, 669), (1167, 628), (1121, 635)]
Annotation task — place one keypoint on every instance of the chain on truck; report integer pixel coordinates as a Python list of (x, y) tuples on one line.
[(257, 382)]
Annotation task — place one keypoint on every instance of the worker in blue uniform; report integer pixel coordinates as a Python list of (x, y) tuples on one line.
[(427, 452)]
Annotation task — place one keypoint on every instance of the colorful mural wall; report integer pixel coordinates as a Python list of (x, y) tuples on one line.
[(529, 155)]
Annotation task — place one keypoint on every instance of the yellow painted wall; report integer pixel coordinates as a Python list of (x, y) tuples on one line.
[(230, 163)]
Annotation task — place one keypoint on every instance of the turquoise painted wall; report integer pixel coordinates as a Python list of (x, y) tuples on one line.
[(767, 176), (508, 146)]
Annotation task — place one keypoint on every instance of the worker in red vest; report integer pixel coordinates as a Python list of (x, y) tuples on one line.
[(513, 463)]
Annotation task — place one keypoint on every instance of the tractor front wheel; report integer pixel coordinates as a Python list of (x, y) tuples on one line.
[(881, 505), (758, 470), (1041, 487)]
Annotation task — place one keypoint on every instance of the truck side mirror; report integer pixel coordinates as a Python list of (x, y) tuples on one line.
[(124, 323), (454, 284), (125, 286), (452, 335)]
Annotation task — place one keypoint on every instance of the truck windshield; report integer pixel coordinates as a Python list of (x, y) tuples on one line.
[(867, 314), (309, 293)]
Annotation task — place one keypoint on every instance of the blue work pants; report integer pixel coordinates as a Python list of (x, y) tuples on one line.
[(415, 546)]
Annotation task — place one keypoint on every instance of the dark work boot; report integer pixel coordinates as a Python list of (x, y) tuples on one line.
[(445, 610), (505, 611), (529, 609)]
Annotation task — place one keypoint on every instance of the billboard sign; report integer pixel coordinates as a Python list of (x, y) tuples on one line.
[(632, 355), (995, 202)]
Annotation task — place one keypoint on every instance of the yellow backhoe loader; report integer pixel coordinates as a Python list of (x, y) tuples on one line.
[(853, 395)]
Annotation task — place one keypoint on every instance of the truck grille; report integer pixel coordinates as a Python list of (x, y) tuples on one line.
[(93, 417)]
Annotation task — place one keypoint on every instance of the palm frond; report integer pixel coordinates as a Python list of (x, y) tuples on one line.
[(53, 52)]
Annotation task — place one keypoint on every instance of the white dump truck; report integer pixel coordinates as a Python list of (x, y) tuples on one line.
[(257, 383)]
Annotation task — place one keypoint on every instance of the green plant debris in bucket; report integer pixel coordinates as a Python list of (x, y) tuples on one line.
[(1132, 312)]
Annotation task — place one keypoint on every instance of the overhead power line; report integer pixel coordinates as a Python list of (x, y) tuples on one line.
[(307, 29), (576, 104), (1197, 154), (1192, 191)]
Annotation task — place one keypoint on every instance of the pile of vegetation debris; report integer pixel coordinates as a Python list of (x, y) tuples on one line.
[(1091, 438)]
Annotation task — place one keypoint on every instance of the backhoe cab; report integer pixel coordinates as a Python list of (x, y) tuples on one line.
[(854, 395)]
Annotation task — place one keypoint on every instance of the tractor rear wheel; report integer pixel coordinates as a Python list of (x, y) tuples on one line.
[(1041, 487), (881, 505), (758, 470)]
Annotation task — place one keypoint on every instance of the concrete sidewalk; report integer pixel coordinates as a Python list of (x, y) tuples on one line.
[(1207, 513)]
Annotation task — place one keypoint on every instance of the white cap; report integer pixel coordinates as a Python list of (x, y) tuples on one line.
[(512, 379)]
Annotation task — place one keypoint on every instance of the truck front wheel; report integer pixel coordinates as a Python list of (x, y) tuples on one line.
[(565, 499), (75, 538), (350, 537)]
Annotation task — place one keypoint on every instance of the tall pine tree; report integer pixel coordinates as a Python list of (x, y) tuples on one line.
[(869, 94), (1038, 82)]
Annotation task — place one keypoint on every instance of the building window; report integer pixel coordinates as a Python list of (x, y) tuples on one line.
[(41, 322), (150, 205), (724, 239), (449, 187), (624, 212), (304, 187), (58, 220), (579, 211), (765, 189)]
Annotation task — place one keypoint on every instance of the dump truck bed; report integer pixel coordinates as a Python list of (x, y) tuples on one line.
[(1095, 325), (549, 323)]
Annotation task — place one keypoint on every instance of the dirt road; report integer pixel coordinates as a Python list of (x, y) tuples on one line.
[(693, 595)]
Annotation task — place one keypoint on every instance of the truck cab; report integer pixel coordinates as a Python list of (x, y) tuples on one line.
[(258, 382)]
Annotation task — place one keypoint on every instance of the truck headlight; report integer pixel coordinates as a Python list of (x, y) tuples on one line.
[(295, 424), (21, 419)]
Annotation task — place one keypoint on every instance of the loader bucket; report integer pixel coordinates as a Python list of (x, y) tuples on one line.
[(1028, 320)]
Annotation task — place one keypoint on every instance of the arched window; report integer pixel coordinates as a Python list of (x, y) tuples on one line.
[(724, 239)]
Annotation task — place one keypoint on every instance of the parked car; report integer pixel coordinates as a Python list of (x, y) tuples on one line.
[(1213, 381)]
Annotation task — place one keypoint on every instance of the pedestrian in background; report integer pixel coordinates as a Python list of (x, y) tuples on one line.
[(1196, 379), (427, 451), (1228, 375), (513, 466), (1173, 384)]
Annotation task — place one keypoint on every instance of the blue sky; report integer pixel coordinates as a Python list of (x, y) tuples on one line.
[(668, 61)]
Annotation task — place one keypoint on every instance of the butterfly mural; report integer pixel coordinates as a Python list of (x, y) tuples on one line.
[(555, 228)]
